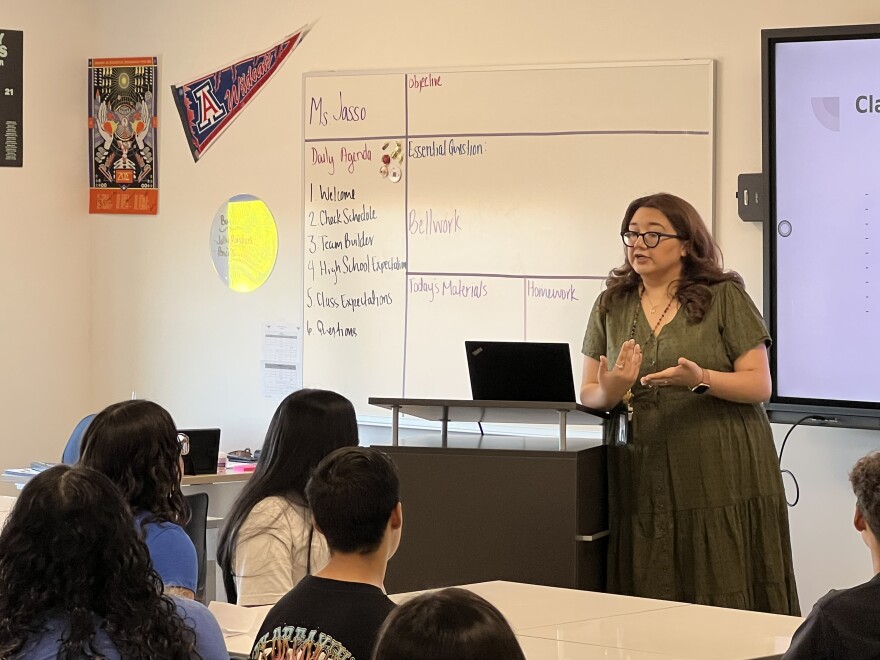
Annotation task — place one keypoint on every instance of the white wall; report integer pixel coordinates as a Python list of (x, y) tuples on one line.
[(45, 252), (161, 323)]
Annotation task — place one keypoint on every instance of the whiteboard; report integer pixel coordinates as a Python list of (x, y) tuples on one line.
[(499, 218)]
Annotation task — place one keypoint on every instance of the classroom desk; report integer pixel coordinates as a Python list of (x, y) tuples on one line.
[(222, 488), (225, 477), (552, 623)]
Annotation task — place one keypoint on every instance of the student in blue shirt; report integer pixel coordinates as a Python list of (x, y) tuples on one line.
[(135, 443), (78, 582)]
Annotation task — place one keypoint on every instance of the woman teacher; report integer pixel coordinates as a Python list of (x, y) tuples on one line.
[(675, 345)]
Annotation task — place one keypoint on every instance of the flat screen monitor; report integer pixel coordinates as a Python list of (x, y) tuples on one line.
[(821, 112)]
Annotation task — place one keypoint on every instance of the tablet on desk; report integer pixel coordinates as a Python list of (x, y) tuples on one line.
[(520, 371)]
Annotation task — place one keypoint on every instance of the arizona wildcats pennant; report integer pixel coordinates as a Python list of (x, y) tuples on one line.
[(209, 104)]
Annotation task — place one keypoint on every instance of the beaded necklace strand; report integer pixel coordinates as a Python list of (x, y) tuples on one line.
[(628, 397)]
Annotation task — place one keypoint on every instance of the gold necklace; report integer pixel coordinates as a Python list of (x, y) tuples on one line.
[(660, 320), (651, 302), (653, 335)]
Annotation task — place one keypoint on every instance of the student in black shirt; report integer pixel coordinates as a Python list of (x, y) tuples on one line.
[(843, 623), (354, 497)]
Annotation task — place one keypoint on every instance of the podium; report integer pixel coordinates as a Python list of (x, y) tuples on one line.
[(476, 511), (503, 412)]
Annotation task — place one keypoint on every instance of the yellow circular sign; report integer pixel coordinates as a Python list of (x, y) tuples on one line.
[(244, 243)]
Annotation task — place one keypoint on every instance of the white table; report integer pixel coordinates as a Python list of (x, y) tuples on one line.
[(567, 624), (582, 625)]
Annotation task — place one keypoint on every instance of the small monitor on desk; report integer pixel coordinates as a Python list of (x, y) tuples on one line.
[(204, 447), (520, 371)]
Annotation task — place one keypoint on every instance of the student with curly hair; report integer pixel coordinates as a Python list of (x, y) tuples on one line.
[(843, 623), (451, 623), (78, 582), (268, 543), (135, 444)]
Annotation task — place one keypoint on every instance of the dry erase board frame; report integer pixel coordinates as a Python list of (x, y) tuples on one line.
[(498, 213)]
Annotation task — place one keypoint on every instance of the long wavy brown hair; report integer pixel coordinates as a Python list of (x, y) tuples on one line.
[(702, 265), (135, 444), (70, 550)]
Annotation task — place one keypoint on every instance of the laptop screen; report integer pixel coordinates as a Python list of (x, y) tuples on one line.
[(204, 447), (520, 371)]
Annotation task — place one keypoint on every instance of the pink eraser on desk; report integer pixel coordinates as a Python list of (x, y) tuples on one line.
[(247, 467)]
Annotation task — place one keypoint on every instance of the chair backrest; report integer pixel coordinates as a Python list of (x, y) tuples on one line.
[(196, 529), (71, 450)]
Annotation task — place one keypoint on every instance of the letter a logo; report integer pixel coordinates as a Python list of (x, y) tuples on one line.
[(207, 105), (210, 111)]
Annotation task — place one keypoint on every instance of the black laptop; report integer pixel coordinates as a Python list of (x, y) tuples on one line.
[(520, 371), (204, 447)]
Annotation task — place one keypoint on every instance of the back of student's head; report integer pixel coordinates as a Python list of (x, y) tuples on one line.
[(446, 624), (352, 494), (70, 548), (135, 444), (306, 426), (865, 480)]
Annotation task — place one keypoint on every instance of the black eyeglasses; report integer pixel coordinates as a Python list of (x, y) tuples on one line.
[(651, 239), (183, 441)]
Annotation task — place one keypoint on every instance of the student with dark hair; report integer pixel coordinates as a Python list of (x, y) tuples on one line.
[(268, 543), (336, 614), (452, 623), (78, 582), (135, 444), (843, 623)]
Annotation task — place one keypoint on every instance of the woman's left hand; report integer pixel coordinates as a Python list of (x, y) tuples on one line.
[(686, 374)]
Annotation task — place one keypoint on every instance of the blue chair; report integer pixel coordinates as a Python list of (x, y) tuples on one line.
[(71, 450)]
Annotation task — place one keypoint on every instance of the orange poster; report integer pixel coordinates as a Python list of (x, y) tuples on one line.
[(123, 177)]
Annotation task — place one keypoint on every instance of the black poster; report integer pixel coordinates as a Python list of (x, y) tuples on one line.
[(11, 81)]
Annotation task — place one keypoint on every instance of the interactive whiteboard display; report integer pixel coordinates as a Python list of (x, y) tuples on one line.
[(825, 242)]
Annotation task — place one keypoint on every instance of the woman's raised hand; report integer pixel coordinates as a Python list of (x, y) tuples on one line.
[(616, 379)]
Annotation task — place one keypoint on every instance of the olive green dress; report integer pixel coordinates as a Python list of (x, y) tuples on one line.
[(698, 511)]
